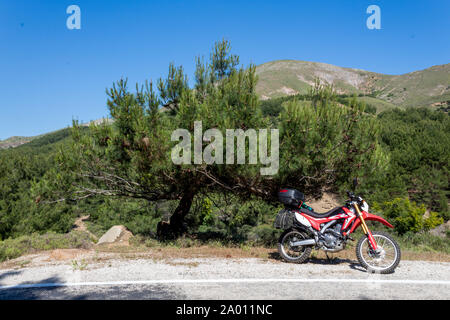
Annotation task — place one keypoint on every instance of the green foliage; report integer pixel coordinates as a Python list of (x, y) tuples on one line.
[(271, 108), (264, 234), (407, 216), (172, 88), (324, 143), (138, 216), (21, 171), (206, 214), (13, 248), (230, 219), (424, 242), (417, 141), (370, 109)]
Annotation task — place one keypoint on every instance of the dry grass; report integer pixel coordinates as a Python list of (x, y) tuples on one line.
[(172, 255), (163, 253), (270, 254)]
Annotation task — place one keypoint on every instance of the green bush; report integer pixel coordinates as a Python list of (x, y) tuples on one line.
[(417, 141), (407, 216), (138, 216), (265, 235), (424, 242), (231, 219), (13, 248)]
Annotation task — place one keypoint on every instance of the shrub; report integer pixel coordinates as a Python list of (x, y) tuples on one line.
[(407, 216), (424, 242), (264, 235), (13, 248)]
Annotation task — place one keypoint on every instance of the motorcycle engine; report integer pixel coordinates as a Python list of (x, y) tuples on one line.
[(332, 238)]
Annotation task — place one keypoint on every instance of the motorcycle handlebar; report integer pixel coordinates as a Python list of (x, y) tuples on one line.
[(353, 197)]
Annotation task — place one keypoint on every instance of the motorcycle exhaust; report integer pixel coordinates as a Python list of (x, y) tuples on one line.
[(307, 242)]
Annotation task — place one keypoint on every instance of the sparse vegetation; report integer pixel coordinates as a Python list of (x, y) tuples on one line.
[(13, 248), (79, 265)]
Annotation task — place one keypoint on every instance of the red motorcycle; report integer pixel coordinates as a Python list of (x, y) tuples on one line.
[(305, 229)]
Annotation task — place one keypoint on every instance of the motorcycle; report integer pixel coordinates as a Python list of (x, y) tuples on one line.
[(305, 229)]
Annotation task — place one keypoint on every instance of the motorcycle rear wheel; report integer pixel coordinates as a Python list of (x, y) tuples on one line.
[(386, 260), (297, 254)]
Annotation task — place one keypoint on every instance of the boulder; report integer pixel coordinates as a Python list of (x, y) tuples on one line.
[(441, 231), (116, 234)]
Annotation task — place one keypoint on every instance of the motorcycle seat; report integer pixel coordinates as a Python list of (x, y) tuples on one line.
[(314, 214)]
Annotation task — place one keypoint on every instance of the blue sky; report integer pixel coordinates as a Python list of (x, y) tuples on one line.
[(50, 74)]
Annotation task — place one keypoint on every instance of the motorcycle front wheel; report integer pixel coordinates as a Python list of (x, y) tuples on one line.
[(385, 259), (294, 254)]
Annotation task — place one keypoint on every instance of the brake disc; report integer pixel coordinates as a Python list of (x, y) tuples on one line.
[(378, 254)]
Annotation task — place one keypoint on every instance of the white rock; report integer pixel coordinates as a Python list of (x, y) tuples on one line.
[(112, 235)]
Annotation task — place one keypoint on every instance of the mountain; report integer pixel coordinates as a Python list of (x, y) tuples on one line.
[(429, 87), (50, 137), (15, 142), (41, 142)]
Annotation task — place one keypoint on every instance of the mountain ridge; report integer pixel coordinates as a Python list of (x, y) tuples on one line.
[(16, 141), (427, 87)]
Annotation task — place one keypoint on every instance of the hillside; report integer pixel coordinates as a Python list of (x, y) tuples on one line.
[(48, 138), (429, 87), (35, 141), (14, 142)]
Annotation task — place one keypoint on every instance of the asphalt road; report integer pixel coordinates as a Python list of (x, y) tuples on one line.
[(237, 279), (254, 291)]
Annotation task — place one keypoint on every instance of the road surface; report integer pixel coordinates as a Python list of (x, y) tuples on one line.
[(231, 279)]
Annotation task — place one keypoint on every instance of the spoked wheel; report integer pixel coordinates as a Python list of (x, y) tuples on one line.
[(383, 260), (295, 254)]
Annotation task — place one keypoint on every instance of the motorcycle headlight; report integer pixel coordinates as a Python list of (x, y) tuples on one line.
[(365, 206)]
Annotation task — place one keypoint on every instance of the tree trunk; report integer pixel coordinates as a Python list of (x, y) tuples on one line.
[(175, 227)]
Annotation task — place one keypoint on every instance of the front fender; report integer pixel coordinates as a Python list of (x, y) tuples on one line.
[(372, 217)]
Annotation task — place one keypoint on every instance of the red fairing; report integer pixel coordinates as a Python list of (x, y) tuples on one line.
[(349, 218), (315, 223)]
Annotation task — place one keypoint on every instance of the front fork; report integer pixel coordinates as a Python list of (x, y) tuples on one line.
[(366, 230)]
